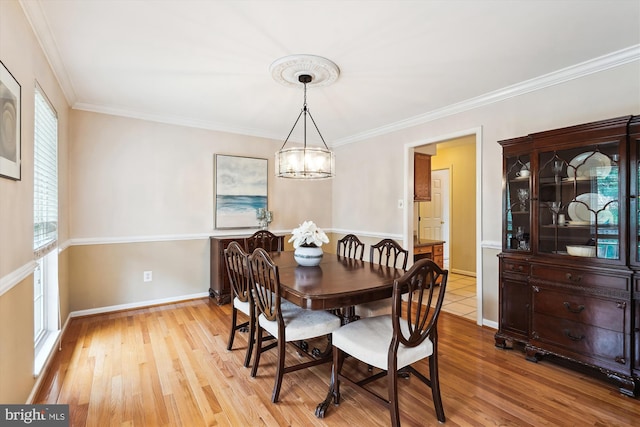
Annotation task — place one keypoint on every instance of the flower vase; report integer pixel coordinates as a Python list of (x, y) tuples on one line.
[(308, 256)]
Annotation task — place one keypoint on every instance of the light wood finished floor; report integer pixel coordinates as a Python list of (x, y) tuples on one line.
[(168, 365)]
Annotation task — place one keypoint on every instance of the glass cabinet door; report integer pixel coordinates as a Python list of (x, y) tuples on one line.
[(578, 202), (635, 195), (518, 204)]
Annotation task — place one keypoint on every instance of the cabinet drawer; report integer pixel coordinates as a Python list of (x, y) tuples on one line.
[(605, 313), (419, 250), (585, 342), (577, 277), (515, 267), (438, 250)]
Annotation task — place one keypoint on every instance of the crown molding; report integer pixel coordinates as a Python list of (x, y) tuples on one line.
[(40, 26), (596, 65)]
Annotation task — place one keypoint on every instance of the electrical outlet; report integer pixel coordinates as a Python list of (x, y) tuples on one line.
[(147, 276)]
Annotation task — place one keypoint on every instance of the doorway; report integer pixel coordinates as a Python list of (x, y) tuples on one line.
[(465, 256)]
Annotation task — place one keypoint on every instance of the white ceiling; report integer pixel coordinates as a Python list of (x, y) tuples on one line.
[(206, 63)]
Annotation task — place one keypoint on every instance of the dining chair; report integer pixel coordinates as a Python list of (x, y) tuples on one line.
[(264, 239), (283, 320), (397, 341), (237, 268), (388, 253), (350, 247)]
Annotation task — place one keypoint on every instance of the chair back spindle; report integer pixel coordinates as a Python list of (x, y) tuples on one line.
[(389, 253), (265, 280), (413, 296), (237, 268), (350, 247), (264, 239)]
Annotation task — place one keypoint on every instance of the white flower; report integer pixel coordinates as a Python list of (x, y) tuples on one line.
[(308, 234)]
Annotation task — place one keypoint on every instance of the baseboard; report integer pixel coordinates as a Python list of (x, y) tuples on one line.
[(490, 324), (141, 304), (463, 272)]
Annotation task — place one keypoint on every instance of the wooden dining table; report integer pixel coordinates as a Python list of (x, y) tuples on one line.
[(338, 283)]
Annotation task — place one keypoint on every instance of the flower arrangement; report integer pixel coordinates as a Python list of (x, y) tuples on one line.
[(308, 234)]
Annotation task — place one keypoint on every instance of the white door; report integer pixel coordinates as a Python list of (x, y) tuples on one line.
[(434, 215)]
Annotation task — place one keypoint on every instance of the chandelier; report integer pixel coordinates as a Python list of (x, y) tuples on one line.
[(305, 162)]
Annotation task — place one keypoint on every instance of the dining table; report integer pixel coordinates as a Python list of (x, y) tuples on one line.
[(338, 283)]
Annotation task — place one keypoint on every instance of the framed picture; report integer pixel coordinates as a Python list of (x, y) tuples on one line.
[(9, 125), (240, 190)]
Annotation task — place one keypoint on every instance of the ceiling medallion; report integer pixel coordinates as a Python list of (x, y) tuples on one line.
[(288, 69)]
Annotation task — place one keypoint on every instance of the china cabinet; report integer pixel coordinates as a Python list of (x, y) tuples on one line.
[(570, 264)]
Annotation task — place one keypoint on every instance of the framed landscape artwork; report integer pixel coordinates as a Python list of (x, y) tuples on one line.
[(9, 125), (240, 189)]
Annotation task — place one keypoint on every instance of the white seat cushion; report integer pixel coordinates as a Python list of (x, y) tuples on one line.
[(368, 340), (242, 306), (374, 308), (301, 323)]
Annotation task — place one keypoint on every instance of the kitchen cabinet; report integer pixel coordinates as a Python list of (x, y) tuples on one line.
[(421, 177)]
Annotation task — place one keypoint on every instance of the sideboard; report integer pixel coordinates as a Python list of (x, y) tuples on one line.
[(219, 287)]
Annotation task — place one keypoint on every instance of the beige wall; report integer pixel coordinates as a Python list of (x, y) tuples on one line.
[(133, 179), (21, 54), (111, 274), (460, 159)]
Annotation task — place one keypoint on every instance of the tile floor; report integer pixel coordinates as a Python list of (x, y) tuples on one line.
[(460, 298)]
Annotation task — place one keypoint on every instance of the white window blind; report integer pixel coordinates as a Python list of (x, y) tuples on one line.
[(45, 176)]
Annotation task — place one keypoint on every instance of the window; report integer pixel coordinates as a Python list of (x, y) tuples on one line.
[(45, 229)]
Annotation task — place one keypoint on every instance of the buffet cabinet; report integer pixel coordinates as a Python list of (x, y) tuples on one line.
[(219, 286), (569, 269)]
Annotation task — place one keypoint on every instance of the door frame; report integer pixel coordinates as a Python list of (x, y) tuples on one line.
[(408, 200)]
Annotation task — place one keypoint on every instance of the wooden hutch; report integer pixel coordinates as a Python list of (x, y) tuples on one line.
[(570, 260)]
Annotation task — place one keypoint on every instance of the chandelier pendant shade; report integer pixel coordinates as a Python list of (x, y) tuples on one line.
[(305, 162)]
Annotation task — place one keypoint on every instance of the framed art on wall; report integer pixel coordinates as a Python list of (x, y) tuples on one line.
[(240, 190), (9, 125)]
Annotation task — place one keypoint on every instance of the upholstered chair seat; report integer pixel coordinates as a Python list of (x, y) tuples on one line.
[(300, 323), (368, 340)]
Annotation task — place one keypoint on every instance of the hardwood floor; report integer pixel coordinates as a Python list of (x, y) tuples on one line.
[(168, 365)]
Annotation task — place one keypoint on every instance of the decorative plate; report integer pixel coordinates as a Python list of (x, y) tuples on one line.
[(589, 164), (582, 212)]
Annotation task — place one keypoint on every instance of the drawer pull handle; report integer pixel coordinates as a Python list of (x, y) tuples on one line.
[(573, 279), (573, 337), (573, 310)]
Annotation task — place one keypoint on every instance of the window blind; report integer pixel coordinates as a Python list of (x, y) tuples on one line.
[(45, 176)]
